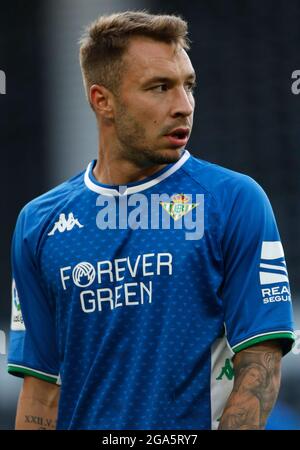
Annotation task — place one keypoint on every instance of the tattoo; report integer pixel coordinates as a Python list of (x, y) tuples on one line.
[(256, 386), (45, 424)]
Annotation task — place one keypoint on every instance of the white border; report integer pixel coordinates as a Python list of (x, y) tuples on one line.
[(133, 189)]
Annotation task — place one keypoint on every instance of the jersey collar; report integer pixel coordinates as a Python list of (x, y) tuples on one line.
[(132, 188)]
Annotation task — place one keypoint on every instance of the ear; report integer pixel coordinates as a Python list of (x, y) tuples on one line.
[(101, 100)]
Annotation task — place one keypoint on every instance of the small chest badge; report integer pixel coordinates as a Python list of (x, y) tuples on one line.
[(179, 206)]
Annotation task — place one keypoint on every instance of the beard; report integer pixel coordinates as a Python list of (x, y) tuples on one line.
[(134, 144), (144, 157)]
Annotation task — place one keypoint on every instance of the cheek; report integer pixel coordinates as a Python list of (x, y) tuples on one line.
[(142, 118)]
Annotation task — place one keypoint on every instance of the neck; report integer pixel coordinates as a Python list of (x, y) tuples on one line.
[(113, 168)]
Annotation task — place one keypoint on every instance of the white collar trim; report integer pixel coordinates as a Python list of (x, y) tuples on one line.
[(133, 189)]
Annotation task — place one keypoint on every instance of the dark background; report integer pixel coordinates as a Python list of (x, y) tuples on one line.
[(246, 118)]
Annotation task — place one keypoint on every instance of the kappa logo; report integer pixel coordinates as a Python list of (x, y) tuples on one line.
[(179, 206), (227, 371), (65, 224)]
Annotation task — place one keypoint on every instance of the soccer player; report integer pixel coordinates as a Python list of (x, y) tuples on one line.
[(150, 291)]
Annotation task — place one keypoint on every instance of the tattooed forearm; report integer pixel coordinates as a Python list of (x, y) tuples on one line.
[(38, 405), (41, 422), (256, 386)]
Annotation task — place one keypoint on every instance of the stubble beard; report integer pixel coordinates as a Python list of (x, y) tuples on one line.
[(133, 142)]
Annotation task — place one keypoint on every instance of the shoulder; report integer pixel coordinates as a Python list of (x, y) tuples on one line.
[(35, 215), (226, 186)]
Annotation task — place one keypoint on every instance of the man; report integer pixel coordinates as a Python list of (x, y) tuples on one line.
[(169, 278)]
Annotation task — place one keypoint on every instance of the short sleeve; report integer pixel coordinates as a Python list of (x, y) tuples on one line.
[(255, 291), (32, 346)]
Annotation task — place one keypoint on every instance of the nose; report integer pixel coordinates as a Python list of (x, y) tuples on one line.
[(183, 103)]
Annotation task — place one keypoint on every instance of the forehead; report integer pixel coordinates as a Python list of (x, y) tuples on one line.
[(146, 58)]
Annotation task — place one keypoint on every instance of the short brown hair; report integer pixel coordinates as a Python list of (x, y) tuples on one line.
[(107, 38)]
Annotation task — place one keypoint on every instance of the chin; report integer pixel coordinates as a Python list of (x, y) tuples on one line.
[(167, 156), (148, 158)]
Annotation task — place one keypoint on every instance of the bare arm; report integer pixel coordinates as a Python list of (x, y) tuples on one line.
[(256, 386), (37, 406)]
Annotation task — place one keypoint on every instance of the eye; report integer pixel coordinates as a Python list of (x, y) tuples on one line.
[(191, 87), (160, 88)]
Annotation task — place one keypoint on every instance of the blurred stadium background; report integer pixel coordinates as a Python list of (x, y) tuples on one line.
[(246, 119)]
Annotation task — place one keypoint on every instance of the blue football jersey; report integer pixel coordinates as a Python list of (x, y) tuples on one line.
[(135, 298)]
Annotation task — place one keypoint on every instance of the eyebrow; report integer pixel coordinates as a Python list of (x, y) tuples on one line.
[(191, 77)]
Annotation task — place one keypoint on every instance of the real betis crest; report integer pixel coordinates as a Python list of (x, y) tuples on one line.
[(179, 206)]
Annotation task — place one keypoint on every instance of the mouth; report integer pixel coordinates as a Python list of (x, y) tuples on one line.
[(179, 136)]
